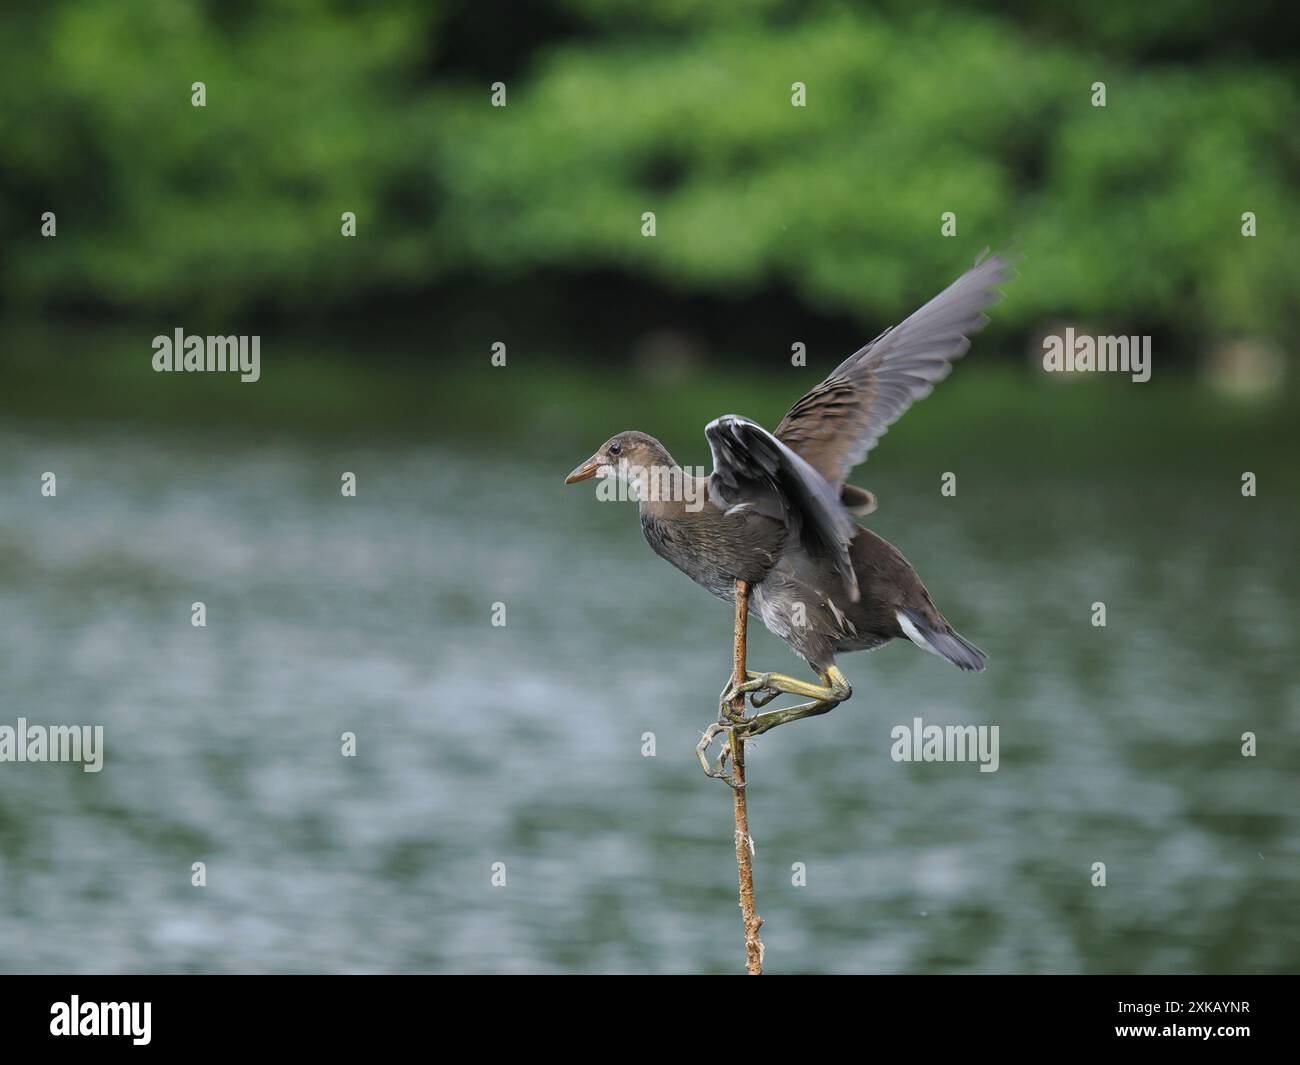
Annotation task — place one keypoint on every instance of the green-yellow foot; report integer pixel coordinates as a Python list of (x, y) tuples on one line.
[(727, 715), (702, 753), (762, 688)]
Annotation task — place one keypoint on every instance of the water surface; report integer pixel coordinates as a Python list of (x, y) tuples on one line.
[(523, 744)]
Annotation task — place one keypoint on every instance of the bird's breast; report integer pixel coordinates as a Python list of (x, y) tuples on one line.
[(712, 549)]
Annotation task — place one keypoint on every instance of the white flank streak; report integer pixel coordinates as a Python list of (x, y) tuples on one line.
[(914, 634)]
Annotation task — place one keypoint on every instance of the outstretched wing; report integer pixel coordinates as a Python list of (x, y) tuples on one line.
[(838, 422), (753, 469)]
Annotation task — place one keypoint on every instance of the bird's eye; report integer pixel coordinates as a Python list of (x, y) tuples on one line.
[(615, 448)]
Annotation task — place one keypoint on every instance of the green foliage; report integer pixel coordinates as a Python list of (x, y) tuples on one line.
[(1129, 214), (311, 110)]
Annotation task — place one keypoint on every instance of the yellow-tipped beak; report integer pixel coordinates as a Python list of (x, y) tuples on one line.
[(583, 472)]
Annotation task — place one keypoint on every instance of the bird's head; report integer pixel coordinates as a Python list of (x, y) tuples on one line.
[(631, 456)]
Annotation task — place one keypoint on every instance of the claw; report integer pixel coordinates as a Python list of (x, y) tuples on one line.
[(727, 714), (758, 686), (702, 753), (762, 688)]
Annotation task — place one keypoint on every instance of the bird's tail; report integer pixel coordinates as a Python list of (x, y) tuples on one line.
[(942, 640)]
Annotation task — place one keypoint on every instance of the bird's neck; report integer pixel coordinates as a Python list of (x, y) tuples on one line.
[(671, 492)]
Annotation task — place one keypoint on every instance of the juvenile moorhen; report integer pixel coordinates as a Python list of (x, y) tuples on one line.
[(776, 511)]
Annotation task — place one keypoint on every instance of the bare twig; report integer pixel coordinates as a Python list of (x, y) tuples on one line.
[(744, 847)]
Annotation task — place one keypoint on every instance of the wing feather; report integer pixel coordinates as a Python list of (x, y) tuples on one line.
[(752, 467), (838, 422)]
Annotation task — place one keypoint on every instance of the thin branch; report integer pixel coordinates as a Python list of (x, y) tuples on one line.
[(744, 847)]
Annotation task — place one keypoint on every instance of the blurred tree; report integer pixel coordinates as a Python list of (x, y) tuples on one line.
[(1130, 214), (312, 110)]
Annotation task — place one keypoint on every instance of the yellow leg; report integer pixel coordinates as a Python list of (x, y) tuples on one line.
[(761, 723), (834, 688), (825, 697)]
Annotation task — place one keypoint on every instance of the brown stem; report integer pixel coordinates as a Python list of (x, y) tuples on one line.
[(744, 856)]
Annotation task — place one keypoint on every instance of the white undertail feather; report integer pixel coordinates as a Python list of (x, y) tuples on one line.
[(942, 641), (914, 634)]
